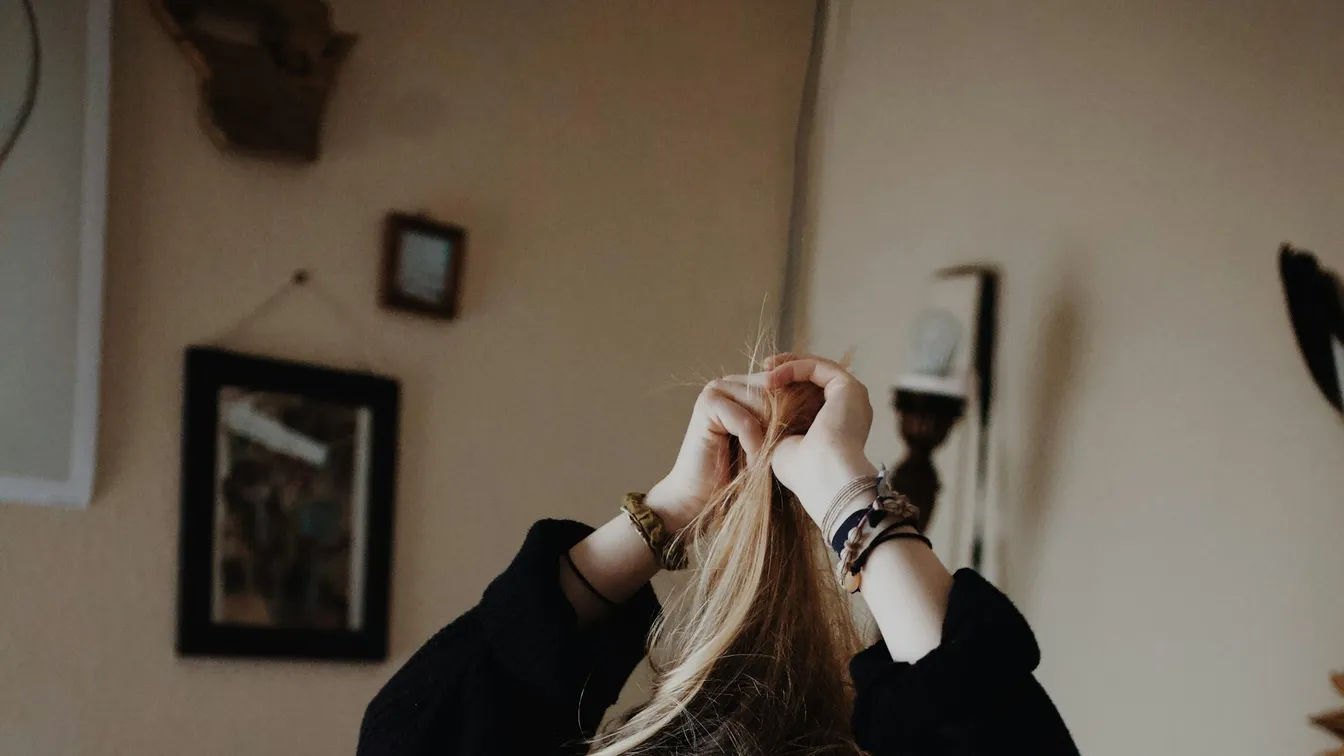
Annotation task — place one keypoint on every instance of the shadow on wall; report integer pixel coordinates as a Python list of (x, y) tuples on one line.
[(1054, 367)]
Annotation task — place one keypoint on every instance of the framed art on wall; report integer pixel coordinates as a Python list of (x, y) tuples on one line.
[(287, 498), (422, 265)]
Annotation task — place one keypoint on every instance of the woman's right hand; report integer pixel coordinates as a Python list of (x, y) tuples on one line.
[(727, 408), (816, 465)]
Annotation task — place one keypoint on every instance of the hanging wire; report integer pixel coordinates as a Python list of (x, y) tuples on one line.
[(34, 79), (302, 279)]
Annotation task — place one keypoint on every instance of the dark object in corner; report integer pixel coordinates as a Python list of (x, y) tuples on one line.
[(422, 265), (923, 421), (951, 376), (266, 68), (1332, 721), (1316, 305), (287, 497)]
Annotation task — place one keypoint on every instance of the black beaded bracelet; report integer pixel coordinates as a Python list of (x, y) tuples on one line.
[(569, 560)]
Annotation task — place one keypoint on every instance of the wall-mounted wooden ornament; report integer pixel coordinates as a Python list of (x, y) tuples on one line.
[(266, 68)]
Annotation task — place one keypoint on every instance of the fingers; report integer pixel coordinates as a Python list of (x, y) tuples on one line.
[(824, 373), (736, 406), (746, 390), (727, 416)]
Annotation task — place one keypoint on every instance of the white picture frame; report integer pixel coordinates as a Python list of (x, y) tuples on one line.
[(75, 488)]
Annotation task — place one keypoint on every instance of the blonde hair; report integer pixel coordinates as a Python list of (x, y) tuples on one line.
[(754, 651)]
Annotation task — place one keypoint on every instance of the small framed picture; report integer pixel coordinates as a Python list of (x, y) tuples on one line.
[(422, 264), (287, 496)]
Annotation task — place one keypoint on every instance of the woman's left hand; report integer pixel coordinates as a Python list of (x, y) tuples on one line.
[(726, 408)]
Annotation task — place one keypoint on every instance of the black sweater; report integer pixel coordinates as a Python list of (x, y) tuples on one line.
[(515, 675)]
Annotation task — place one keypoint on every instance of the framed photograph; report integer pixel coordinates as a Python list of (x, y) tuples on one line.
[(422, 265), (287, 495)]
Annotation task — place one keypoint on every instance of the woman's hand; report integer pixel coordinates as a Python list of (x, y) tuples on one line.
[(614, 560), (728, 407), (815, 466)]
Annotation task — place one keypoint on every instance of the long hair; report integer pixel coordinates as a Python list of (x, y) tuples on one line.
[(751, 658)]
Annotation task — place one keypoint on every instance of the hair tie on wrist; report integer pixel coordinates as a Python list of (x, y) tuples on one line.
[(891, 534), (569, 560), (667, 549), (863, 529)]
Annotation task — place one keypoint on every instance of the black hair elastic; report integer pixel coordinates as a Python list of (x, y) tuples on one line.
[(569, 560), (893, 534)]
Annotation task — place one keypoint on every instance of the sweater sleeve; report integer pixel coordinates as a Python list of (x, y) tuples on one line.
[(515, 674), (974, 694)]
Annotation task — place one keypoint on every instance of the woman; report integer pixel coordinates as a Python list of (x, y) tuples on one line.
[(533, 668)]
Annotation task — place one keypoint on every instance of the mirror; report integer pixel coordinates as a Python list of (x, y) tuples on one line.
[(20, 71), (52, 200)]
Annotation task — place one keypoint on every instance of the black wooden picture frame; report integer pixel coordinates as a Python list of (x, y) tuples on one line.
[(422, 265), (288, 490)]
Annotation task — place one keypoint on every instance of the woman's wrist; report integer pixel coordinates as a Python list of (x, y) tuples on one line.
[(832, 482), (615, 562), (674, 510)]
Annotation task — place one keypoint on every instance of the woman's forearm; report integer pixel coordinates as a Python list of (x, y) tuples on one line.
[(906, 589), (904, 583), (615, 560)]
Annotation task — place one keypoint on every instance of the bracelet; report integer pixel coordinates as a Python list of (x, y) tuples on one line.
[(890, 534), (846, 527), (851, 491), (569, 560), (886, 490), (860, 537), (668, 550)]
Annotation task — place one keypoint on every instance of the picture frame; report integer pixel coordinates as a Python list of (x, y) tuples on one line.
[(288, 490), (422, 265)]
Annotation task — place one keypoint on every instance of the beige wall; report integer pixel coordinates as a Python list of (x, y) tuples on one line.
[(1175, 479), (623, 169)]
